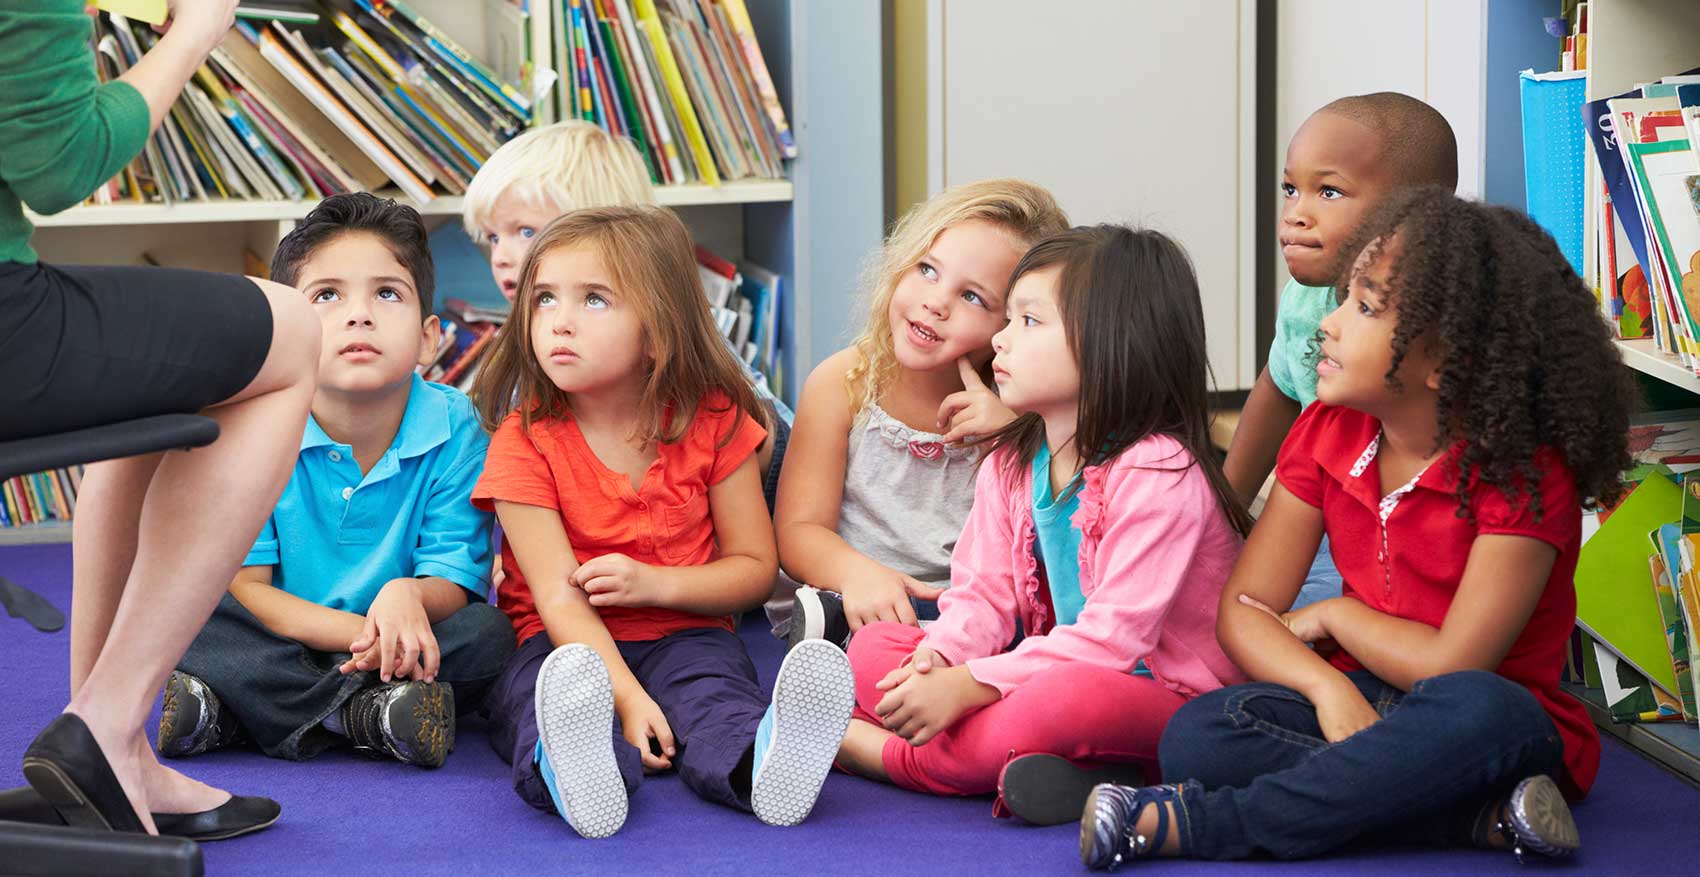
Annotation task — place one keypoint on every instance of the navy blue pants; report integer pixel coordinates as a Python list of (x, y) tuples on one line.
[(1257, 775), (703, 681)]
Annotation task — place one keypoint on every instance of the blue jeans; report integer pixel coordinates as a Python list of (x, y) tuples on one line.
[(282, 691), (1257, 776), (1322, 582)]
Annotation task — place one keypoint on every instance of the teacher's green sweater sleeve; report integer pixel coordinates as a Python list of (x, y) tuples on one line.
[(62, 131)]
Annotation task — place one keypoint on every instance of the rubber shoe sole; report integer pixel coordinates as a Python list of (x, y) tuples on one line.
[(812, 699), (419, 723), (575, 724), (1046, 789), (187, 711), (1541, 817)]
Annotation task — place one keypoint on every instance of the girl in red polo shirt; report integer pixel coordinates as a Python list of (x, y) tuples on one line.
[(1471, 400), (622, 469)]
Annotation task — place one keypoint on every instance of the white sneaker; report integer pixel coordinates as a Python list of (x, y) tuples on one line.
[(799, 737), (575, 731)]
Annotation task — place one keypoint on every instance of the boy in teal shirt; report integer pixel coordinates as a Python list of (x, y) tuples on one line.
[(1342, 161), (360, 613)]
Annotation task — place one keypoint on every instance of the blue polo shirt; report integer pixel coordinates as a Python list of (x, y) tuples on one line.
[(336, 537)]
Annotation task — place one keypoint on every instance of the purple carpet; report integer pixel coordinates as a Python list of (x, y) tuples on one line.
[(345, 813)]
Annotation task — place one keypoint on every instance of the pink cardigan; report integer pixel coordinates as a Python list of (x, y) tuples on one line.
[(1155, 552)]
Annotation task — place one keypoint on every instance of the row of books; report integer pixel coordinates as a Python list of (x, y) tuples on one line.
[(364, 94), (1637, 584), (745, 298), (684, 79), (41, 497), (1643, 254)]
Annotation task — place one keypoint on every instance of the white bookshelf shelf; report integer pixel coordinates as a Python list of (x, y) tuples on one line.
[(1644, 357), (36, 534), (689, 195)]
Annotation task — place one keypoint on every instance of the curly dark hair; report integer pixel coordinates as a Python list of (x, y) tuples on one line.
[(1525, 358)]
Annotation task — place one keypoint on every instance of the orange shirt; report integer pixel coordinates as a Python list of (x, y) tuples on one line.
[(665, 522)]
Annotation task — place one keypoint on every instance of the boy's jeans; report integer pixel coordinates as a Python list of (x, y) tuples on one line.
[(281, 691)]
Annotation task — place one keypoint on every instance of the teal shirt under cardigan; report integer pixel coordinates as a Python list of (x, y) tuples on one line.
[(336, 536), (1298, 317), (1057, 541), (62, 132)]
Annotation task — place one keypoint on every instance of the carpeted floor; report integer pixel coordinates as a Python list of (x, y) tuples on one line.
[(351, 815)]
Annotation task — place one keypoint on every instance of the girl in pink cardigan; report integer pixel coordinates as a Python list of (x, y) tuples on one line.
[(1082, 607)]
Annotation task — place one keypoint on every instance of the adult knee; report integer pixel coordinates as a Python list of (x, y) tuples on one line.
[(296, 332)]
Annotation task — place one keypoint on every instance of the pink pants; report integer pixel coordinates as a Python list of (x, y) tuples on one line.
[(1087, 714)]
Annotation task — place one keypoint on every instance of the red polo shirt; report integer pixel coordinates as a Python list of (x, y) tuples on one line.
[(1412, 569)]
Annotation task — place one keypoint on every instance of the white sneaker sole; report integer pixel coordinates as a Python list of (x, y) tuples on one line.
[(812, 699), (575, 724), (808, 621)]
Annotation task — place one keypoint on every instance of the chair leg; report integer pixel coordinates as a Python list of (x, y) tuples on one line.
[(21, 602)]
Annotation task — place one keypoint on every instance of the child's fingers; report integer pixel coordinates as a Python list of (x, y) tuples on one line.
[(409, 653), (921, 590), (650, 759), (892, 679), (951, 405), (664, 736), (922, 735), (368, 633), (1255, 603), (905, 612), (923, 661), (969, 374), (430, 656), (386, 654)]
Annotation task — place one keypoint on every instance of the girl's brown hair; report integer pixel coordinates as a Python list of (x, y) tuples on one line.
[(1133, 319), (649, 257)]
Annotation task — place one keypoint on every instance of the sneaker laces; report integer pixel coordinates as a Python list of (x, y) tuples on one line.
[(362, 718)]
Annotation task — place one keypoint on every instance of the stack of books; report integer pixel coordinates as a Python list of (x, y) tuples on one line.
[(1643, 256), (40, 498), (684, 79), (318, 98)]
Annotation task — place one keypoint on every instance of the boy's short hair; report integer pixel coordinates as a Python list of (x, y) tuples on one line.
[(572, 165), (398, 225), (1417, 143)]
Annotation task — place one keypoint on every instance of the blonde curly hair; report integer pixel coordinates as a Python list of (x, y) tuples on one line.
[(1026, 211)]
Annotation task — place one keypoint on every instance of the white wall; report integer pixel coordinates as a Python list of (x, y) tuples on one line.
[(1137, 112), (1434, 50)]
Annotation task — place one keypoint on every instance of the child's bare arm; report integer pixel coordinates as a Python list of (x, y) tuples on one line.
[(1503, 580), (545, 555), (539, 542), (811, 491), (739, 579), (317, 627), (1271, 570), (1264, 422)]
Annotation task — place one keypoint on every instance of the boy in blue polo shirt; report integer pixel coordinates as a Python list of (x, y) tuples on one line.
[(360, 615)]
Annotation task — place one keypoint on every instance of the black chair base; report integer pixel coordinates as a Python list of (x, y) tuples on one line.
[(29, 849)]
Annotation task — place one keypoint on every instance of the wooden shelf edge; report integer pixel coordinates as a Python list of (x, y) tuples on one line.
[(48, 533), (688, 195)]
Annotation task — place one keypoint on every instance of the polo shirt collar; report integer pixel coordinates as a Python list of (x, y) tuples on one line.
[(1342, 453), (424, 424)]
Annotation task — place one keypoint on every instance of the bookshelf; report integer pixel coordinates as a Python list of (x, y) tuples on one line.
[(36, 534), (237, 210), (1629, 42), (814, 228)]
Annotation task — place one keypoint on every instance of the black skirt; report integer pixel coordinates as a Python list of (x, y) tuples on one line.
[(84, 346)]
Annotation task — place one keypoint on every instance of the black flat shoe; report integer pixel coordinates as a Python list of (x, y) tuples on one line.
[(1050, 790), (66, 766), (238, 816), (242, 814)]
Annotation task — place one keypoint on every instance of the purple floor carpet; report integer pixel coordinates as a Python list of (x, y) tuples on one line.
[(350, 815)]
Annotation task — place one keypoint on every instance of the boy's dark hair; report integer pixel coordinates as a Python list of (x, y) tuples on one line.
[(397, 224), (1417, 143), (1525, 359), (1131, 312)]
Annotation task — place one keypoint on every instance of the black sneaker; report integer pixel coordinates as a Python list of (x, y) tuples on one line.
[(412, 722), (818, 614), (1047, 789), (191, 719), (1534, 819)]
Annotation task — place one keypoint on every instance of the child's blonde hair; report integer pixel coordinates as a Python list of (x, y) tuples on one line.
[(1026, 211), (649, 257), (570, 165)]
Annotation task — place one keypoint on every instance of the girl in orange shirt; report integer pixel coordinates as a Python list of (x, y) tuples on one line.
[(622, 470)]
